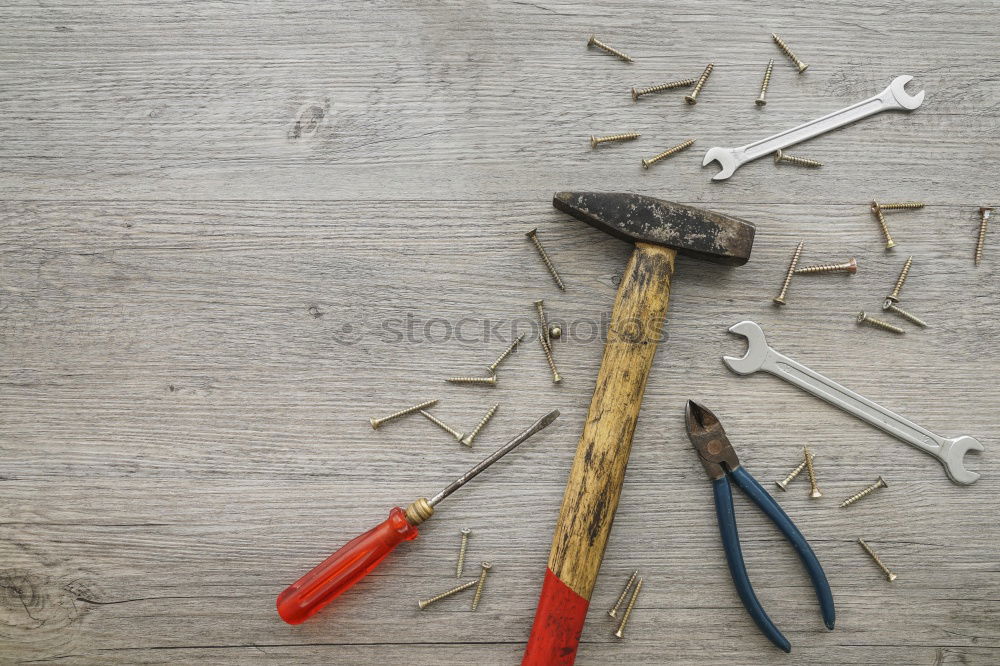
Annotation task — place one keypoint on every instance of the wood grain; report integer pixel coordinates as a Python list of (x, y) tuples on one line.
[(230, 233), (595, 479)]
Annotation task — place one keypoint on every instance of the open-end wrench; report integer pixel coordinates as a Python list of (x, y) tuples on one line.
[(894, 97), (760, 356)]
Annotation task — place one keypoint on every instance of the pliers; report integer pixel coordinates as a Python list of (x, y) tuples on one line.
[(722, 464)]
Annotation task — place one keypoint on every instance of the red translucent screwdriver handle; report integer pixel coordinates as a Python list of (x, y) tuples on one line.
[(337, 573)]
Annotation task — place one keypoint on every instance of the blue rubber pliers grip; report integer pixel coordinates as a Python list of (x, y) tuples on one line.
[(722, 464)]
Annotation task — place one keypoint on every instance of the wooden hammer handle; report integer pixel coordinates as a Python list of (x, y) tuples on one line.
[(595, 481)]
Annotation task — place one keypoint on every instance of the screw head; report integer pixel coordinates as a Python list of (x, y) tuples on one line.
[(645, 164), (690, 99), (487, 565), (760, 102), (635, 95), (593, 142), (466, 530), (881, 482), (375, 423), (534, 231), (555, 332), (779, 301), (862, 316), (890, 245), (891, 577), (852, 265), (593, 38), (888, 303), (803, 67), (815, 493), (984, 212), (777, 157)]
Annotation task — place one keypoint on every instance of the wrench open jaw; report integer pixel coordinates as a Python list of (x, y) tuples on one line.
[(894, 97), (761, 356)]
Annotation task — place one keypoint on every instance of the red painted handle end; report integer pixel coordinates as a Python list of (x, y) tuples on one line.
[(558, 625)]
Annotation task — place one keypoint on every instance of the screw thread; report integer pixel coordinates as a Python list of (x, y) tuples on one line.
[(491, 380), (667, 153), (480, 584), (543, 322), (894, 296), (783, 484), (460, 565), (593, 41), (984, 214), (683, 83), (788, 52), (846, 267), (890, 307), (533, 235), (864, 493), (760, 101), (628, 609), (814, 492), (504, 354), (613, 612), (890, 576), (376, 423), (467, 440), (877, 210), (780, 157), (441, 424), (627, 136), (444, 595), (902, 205), (780, 298), (693, 97), (863, 318)]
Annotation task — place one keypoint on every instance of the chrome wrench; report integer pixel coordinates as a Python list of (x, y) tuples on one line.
[(894, 97), (760, 356)]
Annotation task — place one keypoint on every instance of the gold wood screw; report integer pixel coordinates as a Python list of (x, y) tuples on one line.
[(984, 219), (480, 584), (444, 426), (780, 157), (814, 489), (376, 423), (467, 440), (595, 141), (877, 211), (613, 611), (444, 595), (533, 236), (543, 336), (504, 354), (863, 318), (760, 101), (693, 97), (783, 484), (890, 576), (846, 267), (667, 153), (894, 296), (593, 41), (889, 306), (788, 52), (901, 206), (628, 609), (491, 380), (864, 493), (460, 565), (780, 298), (637, 93)]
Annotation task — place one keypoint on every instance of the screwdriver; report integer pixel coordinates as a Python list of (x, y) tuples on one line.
[(337, 573)]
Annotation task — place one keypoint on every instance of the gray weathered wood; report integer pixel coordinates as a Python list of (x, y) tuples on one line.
[(216, 218)]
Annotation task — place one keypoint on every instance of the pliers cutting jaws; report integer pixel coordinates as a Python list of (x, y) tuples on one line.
[(722, 464)]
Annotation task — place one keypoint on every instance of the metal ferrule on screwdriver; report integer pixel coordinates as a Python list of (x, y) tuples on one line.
[(339, 572)]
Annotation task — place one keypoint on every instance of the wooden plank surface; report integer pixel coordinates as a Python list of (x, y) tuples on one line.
[(230, 233)]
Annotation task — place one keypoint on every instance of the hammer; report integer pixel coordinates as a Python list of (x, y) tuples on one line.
[(660, 230)]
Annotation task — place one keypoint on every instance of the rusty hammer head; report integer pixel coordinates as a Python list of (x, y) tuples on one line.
[(694, 232)]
